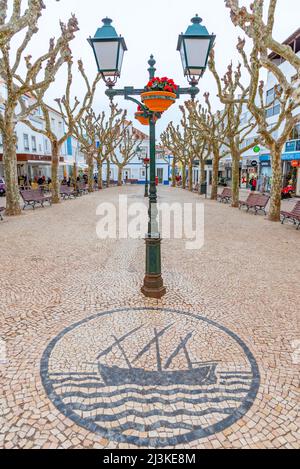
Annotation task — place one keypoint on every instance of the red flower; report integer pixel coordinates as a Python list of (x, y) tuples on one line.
[(162, 83)]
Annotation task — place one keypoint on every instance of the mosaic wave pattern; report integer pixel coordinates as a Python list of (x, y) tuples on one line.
[(146, 376)]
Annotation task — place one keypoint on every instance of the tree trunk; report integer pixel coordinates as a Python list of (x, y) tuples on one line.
[(202, 179), (120, 170), (275, 207), (54, 172), (235, 177), (75, 175), (108, 173), (174, 172), (190, 176), (91, 176), (10, 166), (215, 176), (100, 174), (183, 176)]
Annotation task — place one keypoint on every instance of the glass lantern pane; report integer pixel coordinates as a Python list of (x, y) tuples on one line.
[(182, 53), (107, 54), (197, 50), (121, 55)]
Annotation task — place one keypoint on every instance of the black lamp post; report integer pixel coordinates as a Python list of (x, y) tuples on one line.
[(109, 48)]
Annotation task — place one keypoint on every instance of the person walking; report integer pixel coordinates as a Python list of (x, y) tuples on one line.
[(253, 184)]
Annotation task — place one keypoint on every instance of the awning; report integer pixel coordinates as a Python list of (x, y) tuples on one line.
[(39, 163), (284, 157)]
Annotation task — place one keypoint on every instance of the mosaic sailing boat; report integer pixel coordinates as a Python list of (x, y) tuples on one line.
[(195, 374)]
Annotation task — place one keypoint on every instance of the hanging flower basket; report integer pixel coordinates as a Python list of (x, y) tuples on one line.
[(160, 94), (142, 120), (139, 115)]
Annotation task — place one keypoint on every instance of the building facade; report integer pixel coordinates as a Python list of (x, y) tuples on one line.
[(135, 170), (34, 149)]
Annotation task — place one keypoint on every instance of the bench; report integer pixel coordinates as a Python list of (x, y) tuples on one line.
[(2, 209), (32, 198), (258, 202), (226, 195), (67, 192), (294, 215), (83, 188)]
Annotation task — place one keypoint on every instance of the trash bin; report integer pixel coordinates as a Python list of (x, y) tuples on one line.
[(203, 189)]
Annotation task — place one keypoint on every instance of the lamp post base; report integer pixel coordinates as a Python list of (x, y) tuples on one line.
[(153, 286), (153, 283)]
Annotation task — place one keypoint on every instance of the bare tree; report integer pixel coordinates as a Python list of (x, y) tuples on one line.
[(212, 127), (39, 75), (233, 94), (287, 95), (85, 131), (110, 134), (127, 150), (171, 145), (203, 153), (71, 113)]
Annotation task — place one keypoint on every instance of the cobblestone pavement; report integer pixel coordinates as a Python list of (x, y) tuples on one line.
[(91, 363)]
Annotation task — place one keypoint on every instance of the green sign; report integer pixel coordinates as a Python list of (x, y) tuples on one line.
[(256, 149)]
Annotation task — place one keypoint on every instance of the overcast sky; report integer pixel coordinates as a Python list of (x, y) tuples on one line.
[(150, 27)]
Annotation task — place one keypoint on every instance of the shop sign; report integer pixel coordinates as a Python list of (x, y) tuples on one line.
[(295, 164), (254, 164), (290, 146)]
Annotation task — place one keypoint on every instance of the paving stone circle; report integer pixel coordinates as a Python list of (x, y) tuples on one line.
[(150, 376)]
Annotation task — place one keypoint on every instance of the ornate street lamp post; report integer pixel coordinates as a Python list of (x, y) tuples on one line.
[(109, 48)]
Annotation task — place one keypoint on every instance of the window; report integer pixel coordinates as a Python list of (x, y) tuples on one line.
[(53, 124), (33, 143), (46, 145), (296, 133), (274, 108), (26, 141)]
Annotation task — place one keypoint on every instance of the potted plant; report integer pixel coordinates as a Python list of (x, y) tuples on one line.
[(160, 94)]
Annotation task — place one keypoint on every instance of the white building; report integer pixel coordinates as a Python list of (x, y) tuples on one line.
[(34, 149), (135, 170), (260, 163)]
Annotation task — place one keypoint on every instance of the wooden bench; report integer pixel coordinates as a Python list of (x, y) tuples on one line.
[(2, 209), (32, 198), (226, 195), (294, 215), (67, 192), (257, 202)]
